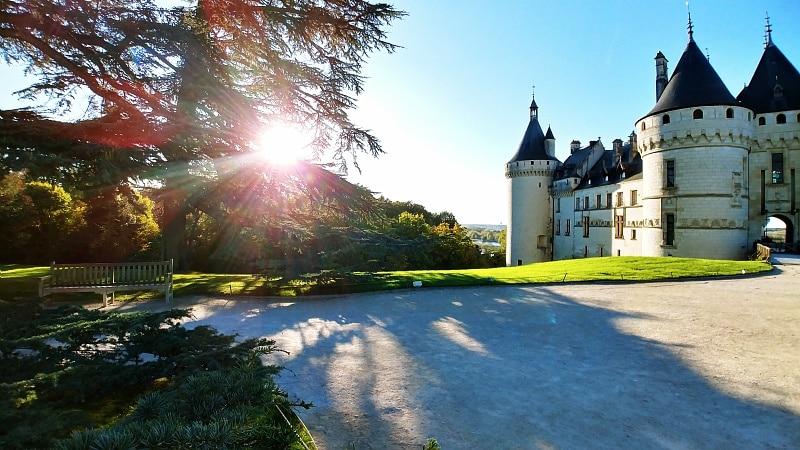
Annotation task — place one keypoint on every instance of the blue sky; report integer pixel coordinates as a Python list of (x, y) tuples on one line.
[(451, 106)]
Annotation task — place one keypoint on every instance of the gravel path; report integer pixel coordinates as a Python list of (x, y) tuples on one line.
[(692, 364)]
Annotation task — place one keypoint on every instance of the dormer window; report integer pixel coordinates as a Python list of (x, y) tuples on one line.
[(697, 114), (777, 91), (665, 119)]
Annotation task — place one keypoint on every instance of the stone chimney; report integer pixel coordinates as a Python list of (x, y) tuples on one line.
[(662, 76), (617, 150), (574, 146), (634, 146)]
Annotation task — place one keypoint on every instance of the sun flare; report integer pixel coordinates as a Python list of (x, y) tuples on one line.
[(284, 144)]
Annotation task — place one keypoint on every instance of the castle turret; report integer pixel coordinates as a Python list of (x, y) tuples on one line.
[(550, 143), (530, 174), (694, 146)]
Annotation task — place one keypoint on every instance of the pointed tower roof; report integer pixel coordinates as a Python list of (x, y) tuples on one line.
[(693, 83), (532, 145), (549, 134), (775, 85)]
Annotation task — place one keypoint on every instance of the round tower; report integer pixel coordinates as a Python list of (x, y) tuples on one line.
[(530, 212), (694, 146)]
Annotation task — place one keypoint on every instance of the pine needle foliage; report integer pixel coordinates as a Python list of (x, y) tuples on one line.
[(66, 369)]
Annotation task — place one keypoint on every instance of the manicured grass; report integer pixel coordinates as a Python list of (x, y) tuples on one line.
[(21, 281)]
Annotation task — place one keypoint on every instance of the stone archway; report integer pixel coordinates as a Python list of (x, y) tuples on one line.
[(781, 236)]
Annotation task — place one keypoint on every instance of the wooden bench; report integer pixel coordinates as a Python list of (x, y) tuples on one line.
[(108, 278)]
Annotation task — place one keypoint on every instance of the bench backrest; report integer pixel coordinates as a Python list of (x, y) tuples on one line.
[(93, 274)]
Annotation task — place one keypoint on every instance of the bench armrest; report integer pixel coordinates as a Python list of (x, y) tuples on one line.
[(41, 284)]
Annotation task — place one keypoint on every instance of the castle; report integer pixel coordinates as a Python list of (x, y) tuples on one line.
[(700, 176)]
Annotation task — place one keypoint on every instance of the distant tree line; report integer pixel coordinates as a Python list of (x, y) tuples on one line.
[(42, 222)]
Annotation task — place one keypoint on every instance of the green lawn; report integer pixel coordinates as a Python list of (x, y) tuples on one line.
[(17, 282)]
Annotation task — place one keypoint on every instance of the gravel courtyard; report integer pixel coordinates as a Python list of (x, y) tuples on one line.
[(691, 364)]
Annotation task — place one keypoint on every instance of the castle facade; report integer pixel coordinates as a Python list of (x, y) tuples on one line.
[(700, 176)]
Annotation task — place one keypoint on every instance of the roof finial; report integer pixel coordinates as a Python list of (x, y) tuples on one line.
[(690, 26), (768, 33)]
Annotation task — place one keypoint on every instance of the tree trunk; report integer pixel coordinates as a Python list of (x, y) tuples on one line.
[(173, 226)]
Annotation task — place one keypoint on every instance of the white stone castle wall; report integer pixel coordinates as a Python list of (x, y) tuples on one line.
[(767, 139)]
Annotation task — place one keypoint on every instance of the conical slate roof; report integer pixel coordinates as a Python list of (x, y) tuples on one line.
[(532, 145), (693, 83), (775, 85)]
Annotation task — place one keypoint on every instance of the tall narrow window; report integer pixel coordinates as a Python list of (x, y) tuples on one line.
[(558, 205), (608, 200), (577, 203), (585, 226), (599, 200), (568, 228), (619, 226), (777, 168), (586, 202), (558, 227), (669, 181), (619, 200), (634, 197), (669, 230)]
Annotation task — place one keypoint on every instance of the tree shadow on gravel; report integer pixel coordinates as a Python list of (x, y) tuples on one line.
[(494, 367)]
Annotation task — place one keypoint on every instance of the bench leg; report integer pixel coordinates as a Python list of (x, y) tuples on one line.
[(105, 298)]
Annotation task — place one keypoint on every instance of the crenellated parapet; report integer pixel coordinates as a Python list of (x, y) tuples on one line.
[(702, 137), (706, 126), (529, 172)]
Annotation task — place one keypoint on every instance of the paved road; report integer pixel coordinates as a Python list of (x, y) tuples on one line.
[(694, 364)]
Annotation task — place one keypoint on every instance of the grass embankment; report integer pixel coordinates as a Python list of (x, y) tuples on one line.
[(21, 281)]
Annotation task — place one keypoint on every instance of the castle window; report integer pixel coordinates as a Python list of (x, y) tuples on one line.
[(729, 113), (669, 180), (586, 202), (586, 226), (643, 126), (619, 200), (669, 229), (567, 229), (619, 226), (798, 117), (762, 121), (608, 200), (697, 114), (780, 118), (599, 201), (558, 227), (665, 119), (558, 205), (634, 197), (633, 235), (577, 204), (777, 168)]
